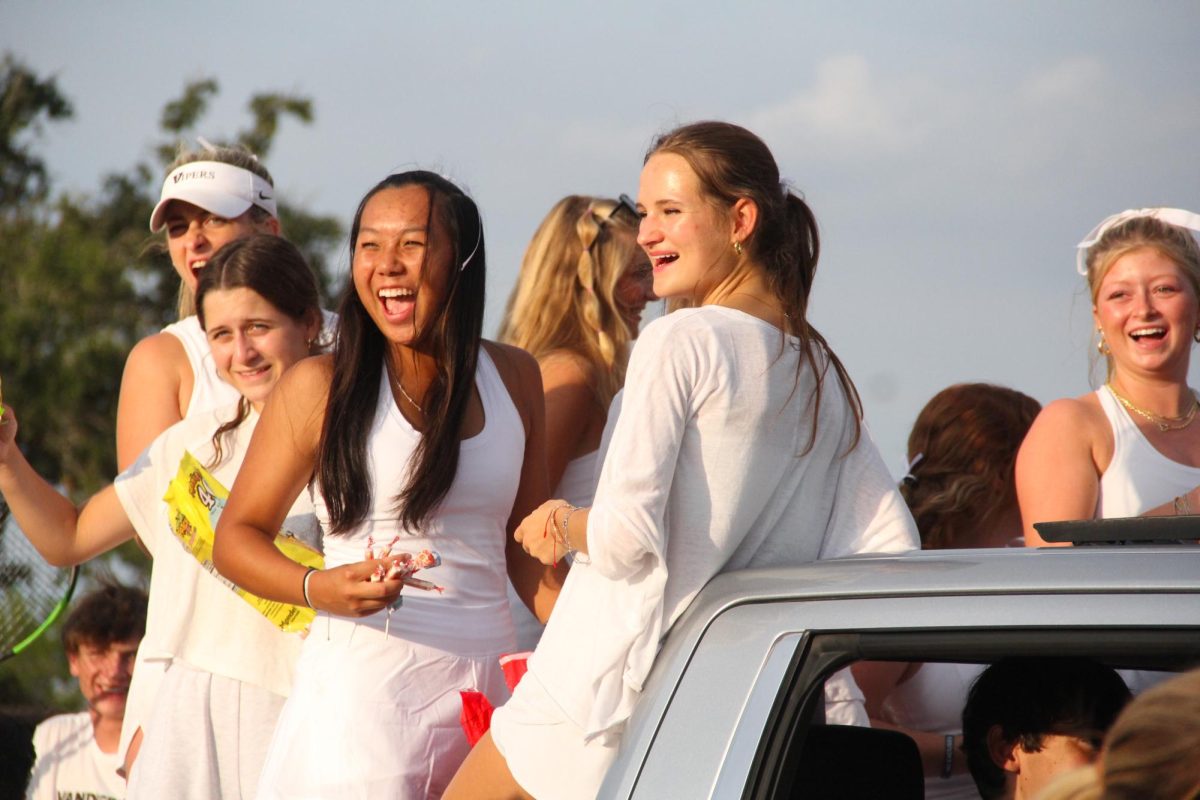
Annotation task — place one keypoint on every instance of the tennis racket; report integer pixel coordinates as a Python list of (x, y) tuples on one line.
[(33, 594)]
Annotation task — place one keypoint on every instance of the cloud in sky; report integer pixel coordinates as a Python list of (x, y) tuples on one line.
[(856, 110), (850, 110)]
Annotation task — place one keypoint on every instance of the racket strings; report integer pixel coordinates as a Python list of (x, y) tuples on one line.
[(30, 589)]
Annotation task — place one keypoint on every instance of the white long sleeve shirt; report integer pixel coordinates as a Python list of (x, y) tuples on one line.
[(709, 469)]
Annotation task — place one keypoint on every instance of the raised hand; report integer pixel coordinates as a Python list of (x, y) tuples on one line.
[(8, 432)]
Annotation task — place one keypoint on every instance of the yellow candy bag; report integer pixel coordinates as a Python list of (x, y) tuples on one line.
[(196, 499)]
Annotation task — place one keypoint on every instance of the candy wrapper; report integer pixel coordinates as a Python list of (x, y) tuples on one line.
[(403, 566)]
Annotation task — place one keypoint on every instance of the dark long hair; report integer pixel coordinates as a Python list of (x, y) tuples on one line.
[(452, 337), (272, 268), (733, 163)]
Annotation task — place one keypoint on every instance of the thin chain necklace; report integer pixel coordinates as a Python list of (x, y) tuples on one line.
[(407, 396), (1164, 424)]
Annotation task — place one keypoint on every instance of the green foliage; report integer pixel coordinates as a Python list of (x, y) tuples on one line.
[(266, 110), (83, 282), (24, 99)]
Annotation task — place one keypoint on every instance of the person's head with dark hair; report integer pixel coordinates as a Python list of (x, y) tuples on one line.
[(1028, 720), (961, 483), (744, 228), (258, 305), (269, 266), (415, 300), (101, 637)]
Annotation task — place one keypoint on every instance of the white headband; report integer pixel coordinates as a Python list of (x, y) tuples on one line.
[(217, 187), (1171, 216)]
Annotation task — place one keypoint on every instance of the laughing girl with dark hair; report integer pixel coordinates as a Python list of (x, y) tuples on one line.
[(416, 432)]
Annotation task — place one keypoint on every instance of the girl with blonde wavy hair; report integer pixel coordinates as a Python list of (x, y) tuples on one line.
[(576, 307)]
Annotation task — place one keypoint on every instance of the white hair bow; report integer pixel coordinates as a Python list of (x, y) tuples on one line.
[(1171, 216)]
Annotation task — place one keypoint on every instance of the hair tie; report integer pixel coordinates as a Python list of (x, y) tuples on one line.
[(909, 478), (1171, 216)]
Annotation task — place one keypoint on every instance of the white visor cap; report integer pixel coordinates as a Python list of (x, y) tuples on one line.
[(218, 188)]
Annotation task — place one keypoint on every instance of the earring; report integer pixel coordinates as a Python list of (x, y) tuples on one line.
[(737, 247), (1102, 344)]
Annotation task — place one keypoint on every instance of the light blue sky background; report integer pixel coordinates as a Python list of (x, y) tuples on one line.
[(954, 152)]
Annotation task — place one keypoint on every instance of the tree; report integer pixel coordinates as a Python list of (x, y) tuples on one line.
[(24, 100), (83, 282)]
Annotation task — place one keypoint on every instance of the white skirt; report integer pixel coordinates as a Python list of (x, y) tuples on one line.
[(373, 716)]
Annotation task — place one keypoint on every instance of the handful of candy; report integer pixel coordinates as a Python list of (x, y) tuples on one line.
[(403, 564)]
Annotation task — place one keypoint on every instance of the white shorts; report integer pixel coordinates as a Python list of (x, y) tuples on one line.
[(546, 752), (206, 736)]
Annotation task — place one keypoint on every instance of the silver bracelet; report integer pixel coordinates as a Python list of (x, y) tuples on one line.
[(572, 551), (304, 588)]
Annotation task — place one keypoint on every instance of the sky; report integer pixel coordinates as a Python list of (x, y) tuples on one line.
[(953, 152)]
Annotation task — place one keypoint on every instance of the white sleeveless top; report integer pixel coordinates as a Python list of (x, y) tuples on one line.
[(209, 391), (578, 483), (932, 700), (470, 617), (1139, 477)]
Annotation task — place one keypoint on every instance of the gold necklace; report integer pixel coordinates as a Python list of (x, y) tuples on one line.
[(1164, 424)]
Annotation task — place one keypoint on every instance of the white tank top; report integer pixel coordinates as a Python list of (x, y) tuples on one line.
[(932, 701), (208, 390), (1139, 477), (470, 617), (578, 483)]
